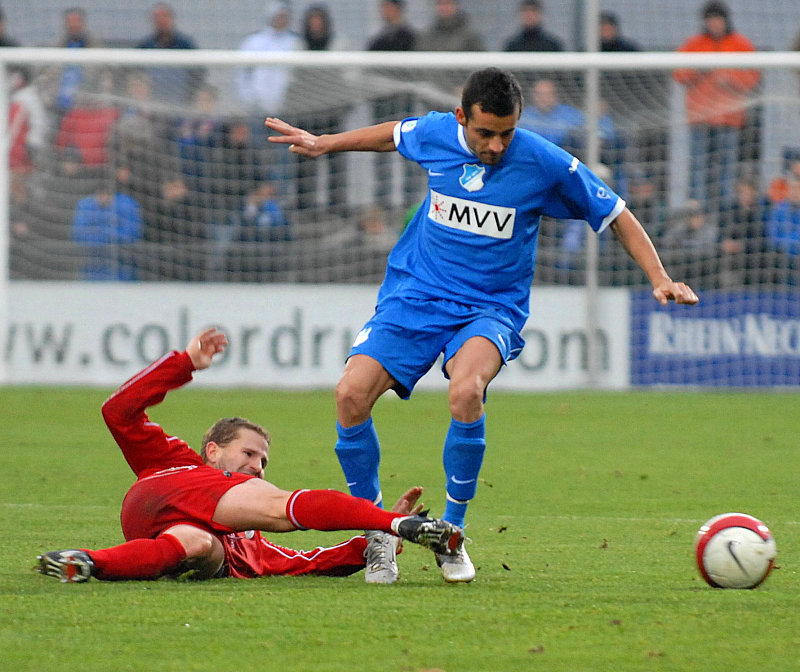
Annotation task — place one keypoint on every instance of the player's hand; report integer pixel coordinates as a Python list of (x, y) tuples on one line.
[(679, 292), (407, 503), (204, 346), (300, 142)]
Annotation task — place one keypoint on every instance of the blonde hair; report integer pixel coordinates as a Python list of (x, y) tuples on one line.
[(225, 430)]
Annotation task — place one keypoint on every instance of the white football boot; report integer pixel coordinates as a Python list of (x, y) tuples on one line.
[(456, 567), (381, 557)]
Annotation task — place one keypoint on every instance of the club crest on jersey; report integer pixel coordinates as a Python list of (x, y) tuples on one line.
[(472, 177), (362, 336)]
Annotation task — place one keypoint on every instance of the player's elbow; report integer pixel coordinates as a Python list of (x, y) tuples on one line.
[(113, 411)]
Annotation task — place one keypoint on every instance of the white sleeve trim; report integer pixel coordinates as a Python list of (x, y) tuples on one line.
[(616, 212), (396, 133)]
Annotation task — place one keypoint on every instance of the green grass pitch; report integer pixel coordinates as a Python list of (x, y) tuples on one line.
[(582, 533)]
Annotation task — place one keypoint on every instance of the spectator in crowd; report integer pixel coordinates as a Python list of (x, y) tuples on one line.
[(325, 116), (262, 218), (779, 185), (645, 199), (173, 85), (27, 126), (198, 137), (611, 39), (140, 138), (564, 126), (620, 85), (783, 223), (5, 39), (242, 165), (742, 234), (395, 35), (451, 30), (551, 118), (86, 130), (531, 35), (361, 243), (176, 234), (105, 227), (317, 29), (262, 89), (691, 242), (376, 234), (61, 85), (644, 195), (716, 105), (256, 252), (137, 119)]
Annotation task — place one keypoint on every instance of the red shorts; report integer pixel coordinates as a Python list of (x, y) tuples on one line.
[(180, 495)]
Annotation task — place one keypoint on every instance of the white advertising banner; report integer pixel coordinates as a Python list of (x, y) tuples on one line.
[(285, 336)]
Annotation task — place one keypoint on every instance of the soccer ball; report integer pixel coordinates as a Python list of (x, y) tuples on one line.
[(734, 550)]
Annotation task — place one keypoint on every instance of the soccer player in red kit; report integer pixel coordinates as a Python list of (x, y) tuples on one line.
[(203, 513)]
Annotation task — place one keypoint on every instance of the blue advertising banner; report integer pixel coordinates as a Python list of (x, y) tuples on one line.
[(729, 339)]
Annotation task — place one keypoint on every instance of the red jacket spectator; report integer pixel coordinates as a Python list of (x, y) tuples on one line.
[(717, 97), (88, 130)]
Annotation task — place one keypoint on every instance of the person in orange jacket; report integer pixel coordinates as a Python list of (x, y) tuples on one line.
[(716, 106)]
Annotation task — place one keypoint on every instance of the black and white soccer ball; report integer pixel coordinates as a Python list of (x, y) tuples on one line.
[(734, 550)]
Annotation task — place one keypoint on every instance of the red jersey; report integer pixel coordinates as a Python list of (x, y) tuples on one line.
[(175, 487)]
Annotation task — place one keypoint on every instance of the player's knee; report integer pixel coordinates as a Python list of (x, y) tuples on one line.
[(466, 399), (198, 544), (204, 555), (352, 403)]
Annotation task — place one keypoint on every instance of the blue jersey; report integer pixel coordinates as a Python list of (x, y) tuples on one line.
[(474, 238)]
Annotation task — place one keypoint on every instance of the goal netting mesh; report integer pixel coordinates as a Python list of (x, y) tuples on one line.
[(129, 181)]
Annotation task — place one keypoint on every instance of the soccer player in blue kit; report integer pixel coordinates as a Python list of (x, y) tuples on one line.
[(458, 280)]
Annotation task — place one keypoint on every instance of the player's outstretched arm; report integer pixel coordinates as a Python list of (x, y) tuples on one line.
[(638, 244), (377, 138), (204, 346)]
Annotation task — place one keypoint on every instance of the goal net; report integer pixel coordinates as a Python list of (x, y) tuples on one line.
[(157, 168), (178, 157)]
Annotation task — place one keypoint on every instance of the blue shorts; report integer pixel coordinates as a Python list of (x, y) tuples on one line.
[(407, 335)]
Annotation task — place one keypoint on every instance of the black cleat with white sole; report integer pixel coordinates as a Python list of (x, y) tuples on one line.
[(438, 535), (67, 566)]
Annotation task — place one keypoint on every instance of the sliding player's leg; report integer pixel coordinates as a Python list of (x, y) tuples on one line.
[(179, 549)]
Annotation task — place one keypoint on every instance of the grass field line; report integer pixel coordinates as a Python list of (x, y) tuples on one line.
[(564, 516)]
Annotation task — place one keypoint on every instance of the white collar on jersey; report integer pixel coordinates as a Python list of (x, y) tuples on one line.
[(462, 140)]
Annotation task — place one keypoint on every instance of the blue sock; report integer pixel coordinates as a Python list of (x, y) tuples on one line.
[(464, 447), (359, 454)]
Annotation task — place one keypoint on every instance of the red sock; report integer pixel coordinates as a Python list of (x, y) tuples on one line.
[(334, 510), (138, 559)]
